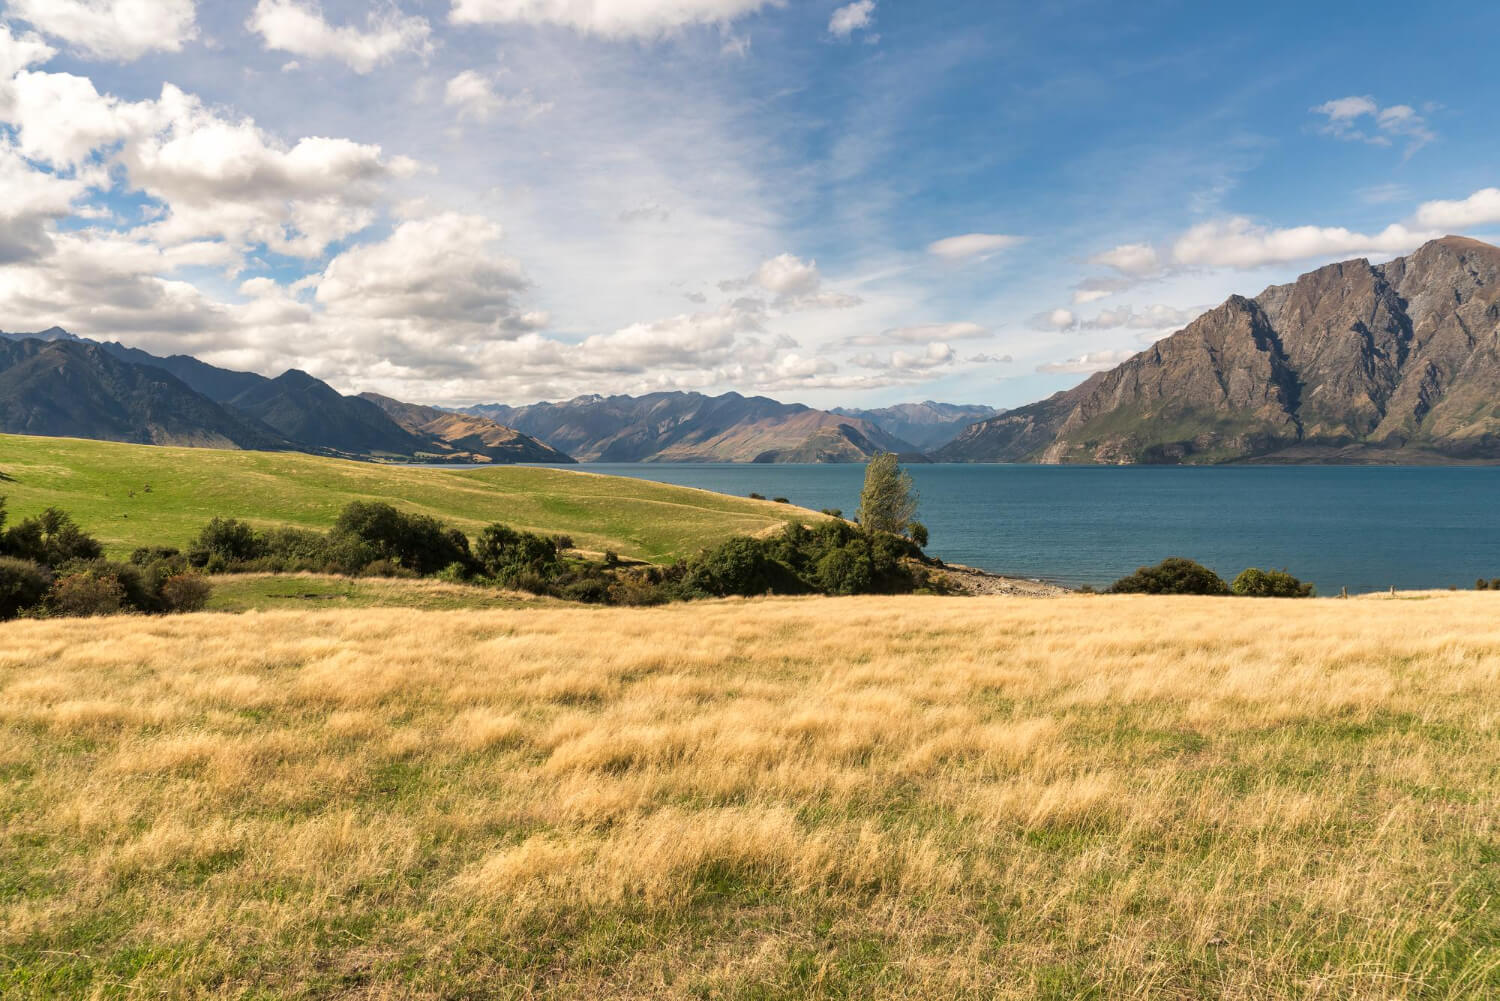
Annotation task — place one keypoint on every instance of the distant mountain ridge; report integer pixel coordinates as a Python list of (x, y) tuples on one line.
[(77, 389), (56, 384), (1351, 363), (927, 425), (692, 427), (465, 433)]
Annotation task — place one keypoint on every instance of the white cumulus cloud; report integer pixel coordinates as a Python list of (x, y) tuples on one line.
[(610, 18), (1360, 118), (958, 248), (112, 29), (438, 274), (797, 285), (301, 29), (474, 96), (1092, 361), (851, 18), (1482, 208), (1055, 319), (1137, 260), (1241, 243)]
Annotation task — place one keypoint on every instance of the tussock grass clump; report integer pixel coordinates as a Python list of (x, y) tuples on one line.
[(892, 797)]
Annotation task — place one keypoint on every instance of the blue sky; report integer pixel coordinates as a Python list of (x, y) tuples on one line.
[(458, 201)]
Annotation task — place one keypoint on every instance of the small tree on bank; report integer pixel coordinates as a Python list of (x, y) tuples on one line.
[(888, 502)]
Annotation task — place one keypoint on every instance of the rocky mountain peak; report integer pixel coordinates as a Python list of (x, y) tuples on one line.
[(1351, 362)]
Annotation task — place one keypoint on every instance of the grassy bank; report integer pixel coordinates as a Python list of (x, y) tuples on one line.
[(284, 592), (1088, 797), (136, 495)]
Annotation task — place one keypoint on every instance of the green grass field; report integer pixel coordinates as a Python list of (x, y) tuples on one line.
[(135, 495), (284, 592)]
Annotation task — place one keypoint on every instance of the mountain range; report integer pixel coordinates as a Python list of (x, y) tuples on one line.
[(926, 425), (53, 383), (1352, 363), (691, 427)]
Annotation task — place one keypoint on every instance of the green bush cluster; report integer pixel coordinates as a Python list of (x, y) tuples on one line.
[(1257, 583), (374, 539), (1176, 575), (833, 557), (368, 538), (51, 566), (1487, 585)]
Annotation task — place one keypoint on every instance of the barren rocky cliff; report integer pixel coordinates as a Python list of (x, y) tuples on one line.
[(1354, 362)]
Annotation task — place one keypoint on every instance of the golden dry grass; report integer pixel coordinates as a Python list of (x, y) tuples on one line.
[(986, 798)]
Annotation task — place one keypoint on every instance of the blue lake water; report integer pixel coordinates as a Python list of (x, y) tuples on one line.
[(1364, 528)]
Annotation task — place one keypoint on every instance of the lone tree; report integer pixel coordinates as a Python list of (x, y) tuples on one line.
[(888, 502)]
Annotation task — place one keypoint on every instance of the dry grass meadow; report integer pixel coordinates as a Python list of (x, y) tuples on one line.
[(894, 798)]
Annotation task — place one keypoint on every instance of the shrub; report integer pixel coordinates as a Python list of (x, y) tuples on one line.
[(756, 496), (52, 539), (224, 542), (1257, 583), (917, 533), (387, 568), (23, 585), (505, 554), (147, 555), (846, 570), (139, 587), (86, 594), (741, 566), (1171, 576), (418, 542), (781, 500), (186, 592), (1481, 585), (563, 542), (589, 589), (834, 512)]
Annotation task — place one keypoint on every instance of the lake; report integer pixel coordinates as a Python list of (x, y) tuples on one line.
[(1361, 527)]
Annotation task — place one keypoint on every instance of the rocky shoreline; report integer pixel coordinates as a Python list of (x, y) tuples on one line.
[(972, 581)]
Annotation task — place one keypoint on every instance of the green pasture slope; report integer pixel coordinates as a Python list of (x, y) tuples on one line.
[(136, 495)]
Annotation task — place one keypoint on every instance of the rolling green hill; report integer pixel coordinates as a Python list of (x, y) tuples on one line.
[(134, 495)]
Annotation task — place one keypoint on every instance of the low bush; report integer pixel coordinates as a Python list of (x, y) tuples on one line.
[(505, 554), (163, 586), (23, 585), (225, 542), (185, 592), (846, 570), (86, 594), (417, 542), (741, 566), (1174, 575), (1257, 583)]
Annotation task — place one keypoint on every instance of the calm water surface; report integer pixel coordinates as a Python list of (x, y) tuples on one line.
[(1364, 528)]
